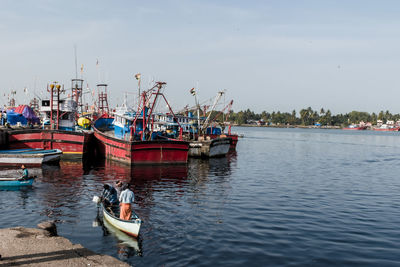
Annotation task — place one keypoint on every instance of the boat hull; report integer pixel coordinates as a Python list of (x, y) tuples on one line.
[(72, 144), (30, 157), (234, 139), (396, 129), (15, 182), (217, 147), (141, 152), (356, 128), (131, 227)]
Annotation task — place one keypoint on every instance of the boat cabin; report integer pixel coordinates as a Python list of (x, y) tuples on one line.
[(67, 114)]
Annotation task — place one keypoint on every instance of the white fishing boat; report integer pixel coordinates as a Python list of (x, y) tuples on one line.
[(129, 227), (30, 157)]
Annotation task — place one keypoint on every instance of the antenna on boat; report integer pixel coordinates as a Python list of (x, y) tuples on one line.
[(138, 77), (98, 70), (76, 63)]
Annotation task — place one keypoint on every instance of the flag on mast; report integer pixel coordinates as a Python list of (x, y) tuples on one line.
[(193, 91)]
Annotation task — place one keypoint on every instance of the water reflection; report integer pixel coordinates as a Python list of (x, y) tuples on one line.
[(63, 187), (127, 246), (63, 193)]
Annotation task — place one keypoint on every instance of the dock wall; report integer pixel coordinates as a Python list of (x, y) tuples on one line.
[(3, 139)]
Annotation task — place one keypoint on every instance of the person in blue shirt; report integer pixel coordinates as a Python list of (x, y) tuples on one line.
[(126, 199), (25, 173)]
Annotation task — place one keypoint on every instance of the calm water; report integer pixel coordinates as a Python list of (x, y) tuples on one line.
[(288, 197)]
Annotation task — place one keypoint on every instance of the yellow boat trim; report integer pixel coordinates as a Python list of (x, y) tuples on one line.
[(72, 152)]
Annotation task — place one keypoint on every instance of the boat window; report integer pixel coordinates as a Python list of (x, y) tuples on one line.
[(45, 103)]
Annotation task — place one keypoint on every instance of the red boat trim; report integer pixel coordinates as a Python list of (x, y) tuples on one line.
[(28, 131), (130, 234), (157, 148), (111, 137), (46, 140)]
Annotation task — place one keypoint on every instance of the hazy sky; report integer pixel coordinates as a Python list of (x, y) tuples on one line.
[(268, 55)]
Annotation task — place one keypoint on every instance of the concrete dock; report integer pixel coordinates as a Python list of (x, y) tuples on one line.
[(36, 247)]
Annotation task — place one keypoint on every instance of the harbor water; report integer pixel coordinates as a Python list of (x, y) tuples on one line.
[(312, 197)]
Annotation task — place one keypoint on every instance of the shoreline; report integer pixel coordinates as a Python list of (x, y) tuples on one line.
[(37, 247), (288, 126)]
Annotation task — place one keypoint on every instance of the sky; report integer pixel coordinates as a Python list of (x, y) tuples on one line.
[(268, 55)]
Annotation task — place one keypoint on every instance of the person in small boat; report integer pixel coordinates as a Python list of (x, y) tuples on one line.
[(110, 197), (126, 200), (25, 173), (118, 187)]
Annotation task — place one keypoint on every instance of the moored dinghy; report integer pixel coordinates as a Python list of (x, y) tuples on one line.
[(30, 157)]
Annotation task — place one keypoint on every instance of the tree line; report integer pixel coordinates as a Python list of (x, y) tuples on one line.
[(308, 116)]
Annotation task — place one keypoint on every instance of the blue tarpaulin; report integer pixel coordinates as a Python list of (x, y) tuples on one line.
[(23, 114)]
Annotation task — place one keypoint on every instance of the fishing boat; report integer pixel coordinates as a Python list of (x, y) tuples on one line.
[(355, 127), (6, 182), (199, 145), (30, 157), (130, 136), (387, 128), (211, 127), (59, 129), (130, 227), (216, 132), (209, 148)]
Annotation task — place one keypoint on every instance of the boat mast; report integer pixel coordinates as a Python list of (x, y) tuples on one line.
[(218, 97), (138, 78), (193, 92), (102, 98), (55, 94), (77, 92)]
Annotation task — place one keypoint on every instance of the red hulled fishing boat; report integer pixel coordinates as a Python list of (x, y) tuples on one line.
[(59, 130), (130, 137)]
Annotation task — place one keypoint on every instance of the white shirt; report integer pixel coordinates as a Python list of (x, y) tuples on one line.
[(127, 196)]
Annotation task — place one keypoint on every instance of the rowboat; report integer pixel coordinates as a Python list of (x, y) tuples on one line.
[(122, 237), (16, 181), (129, 227), (31, 157)]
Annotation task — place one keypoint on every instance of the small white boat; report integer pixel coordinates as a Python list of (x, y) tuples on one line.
[(122, 237), (130, 227), (30, 157)]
